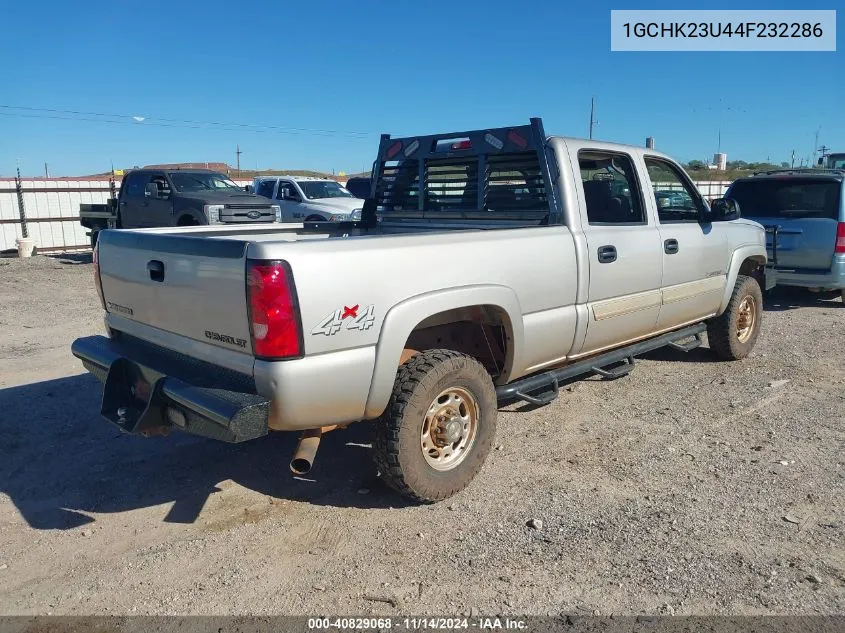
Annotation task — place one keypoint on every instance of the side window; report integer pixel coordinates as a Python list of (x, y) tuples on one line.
[(265, 188), (134, 185), (161, 183), (676, 200), (611, 191), (287, 192)]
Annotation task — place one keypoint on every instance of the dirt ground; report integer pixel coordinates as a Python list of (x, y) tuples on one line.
[(689, 487)]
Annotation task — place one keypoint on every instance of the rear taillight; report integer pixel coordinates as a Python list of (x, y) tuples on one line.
[(273, 310), (840, 238), (97, 282)]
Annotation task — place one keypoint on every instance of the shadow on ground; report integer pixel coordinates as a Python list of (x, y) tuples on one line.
[(60, 460), (73, 258), (787, 298)]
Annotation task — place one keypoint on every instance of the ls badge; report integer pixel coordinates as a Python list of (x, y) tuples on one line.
[(349, 317)]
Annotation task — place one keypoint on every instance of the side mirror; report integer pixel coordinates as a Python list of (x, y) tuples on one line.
[(249, 188), (724, 210), (151, 190)]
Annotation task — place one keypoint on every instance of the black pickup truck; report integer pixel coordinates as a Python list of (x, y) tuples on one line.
[(176, 197)]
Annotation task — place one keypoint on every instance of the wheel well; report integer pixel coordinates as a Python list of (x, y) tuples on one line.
[(187, 220), (753, 266), (482, 331)]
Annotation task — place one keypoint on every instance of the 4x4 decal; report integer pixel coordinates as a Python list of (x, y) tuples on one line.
[(349, 318)]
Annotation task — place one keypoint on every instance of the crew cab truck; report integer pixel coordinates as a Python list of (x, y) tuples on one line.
[(176, 197), (305, 199), (489, 266)]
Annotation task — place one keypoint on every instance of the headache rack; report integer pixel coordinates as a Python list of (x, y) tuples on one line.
[(495, 175)]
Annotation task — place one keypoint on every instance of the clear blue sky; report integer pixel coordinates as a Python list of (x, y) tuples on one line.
[(400, 66)]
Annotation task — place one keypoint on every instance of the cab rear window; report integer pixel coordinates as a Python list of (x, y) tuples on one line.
[(793, 198)]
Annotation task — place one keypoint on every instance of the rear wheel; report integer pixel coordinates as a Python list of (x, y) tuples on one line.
[(438, 427), (733, 333)]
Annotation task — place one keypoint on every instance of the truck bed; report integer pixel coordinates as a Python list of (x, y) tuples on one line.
[(200, 305)]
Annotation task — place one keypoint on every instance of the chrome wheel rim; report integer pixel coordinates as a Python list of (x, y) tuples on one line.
[(449, 428), (746, 319)]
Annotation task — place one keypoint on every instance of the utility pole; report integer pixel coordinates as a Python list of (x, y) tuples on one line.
[(238, 153), (592, 115), (21, 208), (46, 173), (816, 144), (824, 150), (792, 164)]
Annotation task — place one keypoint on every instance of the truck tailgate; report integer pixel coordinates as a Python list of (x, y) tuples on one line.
[(191, 286)]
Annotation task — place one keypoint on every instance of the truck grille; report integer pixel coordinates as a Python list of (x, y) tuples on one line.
[(247, 213)]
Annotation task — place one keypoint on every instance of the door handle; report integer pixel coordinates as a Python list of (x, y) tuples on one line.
[(156, 269), (607, 254), (670, 247)]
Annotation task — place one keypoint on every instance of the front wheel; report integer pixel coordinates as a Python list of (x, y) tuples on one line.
[(438, 427), (733, 333)]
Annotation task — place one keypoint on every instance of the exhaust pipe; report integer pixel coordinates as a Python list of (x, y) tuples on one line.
[(306, 450)]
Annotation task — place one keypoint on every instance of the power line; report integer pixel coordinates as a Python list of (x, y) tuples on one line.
[(78, 115), (164, 125)]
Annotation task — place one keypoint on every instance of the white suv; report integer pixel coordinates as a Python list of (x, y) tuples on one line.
[(309, 199)]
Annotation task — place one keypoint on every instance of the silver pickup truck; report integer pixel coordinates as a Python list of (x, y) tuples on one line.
[(488, 267)]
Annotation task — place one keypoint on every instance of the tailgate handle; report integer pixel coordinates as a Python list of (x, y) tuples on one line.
[(156, 269)]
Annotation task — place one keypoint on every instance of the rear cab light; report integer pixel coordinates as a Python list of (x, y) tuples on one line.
[(274, 320), (840, 239)]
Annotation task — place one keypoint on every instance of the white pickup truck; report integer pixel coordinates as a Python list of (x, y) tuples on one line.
[(489, 266), (303, 199)]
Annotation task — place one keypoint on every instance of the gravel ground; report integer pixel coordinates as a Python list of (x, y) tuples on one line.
[(689, 487)]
